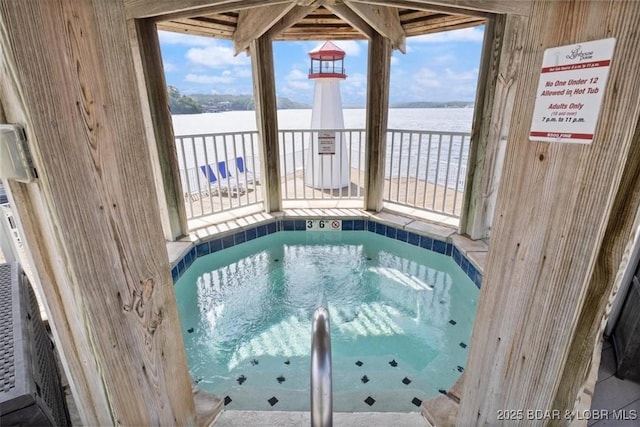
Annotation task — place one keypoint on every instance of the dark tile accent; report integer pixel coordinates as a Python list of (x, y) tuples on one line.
[(406, 381), (463, 345), (442, 391), (478, 280), (300, 225), (254, 362), (347, 224), (416, 402), (371, 226), (272, 227), (239, 237), (453, 322), (289, 225), (456, 255), (364, 379), (280, 379), (273, 401), (190, 330), (381, 229), (449, 249), (358, 224), (227, 400), (251, 233), (402, 235), (391, 232), (370, 401), (228, 242), (202, 249), (426, 242), (287, 362), (181, 267), (261, 230), (460, 368), (439, 246), (471, 272), (393, 363), (464, 264), (188, 257), (215, 245), (359, 363), (198, 380), (241, 379), (174, 274), (413, 239)]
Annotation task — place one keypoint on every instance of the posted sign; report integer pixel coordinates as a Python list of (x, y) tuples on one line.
[(570, 91), (326, 142)]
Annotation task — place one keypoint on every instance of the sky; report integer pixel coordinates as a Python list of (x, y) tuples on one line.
[(436, 67)]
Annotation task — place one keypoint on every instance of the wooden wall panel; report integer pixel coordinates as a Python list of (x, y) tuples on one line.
[(92, 218), (559, 211)]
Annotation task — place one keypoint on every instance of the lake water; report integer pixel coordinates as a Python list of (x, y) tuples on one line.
[(427, 119), (438, 159)]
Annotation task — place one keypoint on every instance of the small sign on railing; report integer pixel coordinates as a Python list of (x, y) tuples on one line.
[(326, 142), (324, 225)]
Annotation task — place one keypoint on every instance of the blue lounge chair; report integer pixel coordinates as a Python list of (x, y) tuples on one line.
[(242, 170), (226, 184)]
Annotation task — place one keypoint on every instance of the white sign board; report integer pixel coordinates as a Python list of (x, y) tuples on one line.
[(324, 225), (326, 142), (570, 92)]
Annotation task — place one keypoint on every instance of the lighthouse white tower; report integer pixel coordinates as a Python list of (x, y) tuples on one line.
[(327, 161)]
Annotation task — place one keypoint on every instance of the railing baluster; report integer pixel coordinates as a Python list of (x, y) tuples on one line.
[(455, 197), (415, 188), (393, 144), (406, 189), (206, 162), (195, 162), (435, 189), (446, 180)]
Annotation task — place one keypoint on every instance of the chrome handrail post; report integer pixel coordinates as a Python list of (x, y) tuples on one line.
[(321, 389)]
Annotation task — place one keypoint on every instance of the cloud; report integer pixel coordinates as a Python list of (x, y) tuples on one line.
[(297, 80), (426, 77), (209, 79), (169, 67), (216, 56), (167, 37), (474, 34), (464, 75)]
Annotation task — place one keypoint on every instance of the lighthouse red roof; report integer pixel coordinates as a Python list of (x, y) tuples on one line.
[(327, 51)]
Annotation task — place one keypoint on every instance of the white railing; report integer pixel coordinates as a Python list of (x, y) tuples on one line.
[(423, 169), (426, 169), (219, 171), (309, 175)]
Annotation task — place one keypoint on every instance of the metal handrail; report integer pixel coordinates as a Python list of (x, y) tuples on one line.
[(321, 390)]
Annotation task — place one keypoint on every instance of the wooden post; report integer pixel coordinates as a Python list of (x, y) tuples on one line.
[(498, 80), (564, 216), (150, 72), (377, 114), (91, 222), (264, 94)]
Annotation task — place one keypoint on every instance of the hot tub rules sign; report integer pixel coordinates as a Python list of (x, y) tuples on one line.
[(570, 92)]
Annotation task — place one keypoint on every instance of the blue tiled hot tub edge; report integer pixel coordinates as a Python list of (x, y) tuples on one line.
[(217, 243)]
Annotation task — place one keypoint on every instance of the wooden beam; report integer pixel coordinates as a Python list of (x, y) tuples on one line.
[(467, 7), (162, 10), (385, 20), (348, 15), (563, 218), (290, 19), (253, 23), (497, 83), (90, 222), (164, 160), (264, 93), (379, 72)]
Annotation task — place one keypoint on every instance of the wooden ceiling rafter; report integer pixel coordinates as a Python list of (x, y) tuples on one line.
[(385, 20), (253, 23)]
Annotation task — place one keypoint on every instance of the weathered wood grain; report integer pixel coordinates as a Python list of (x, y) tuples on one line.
[(492, 118), (172, 9), (93, 217), (561, 223), (253, 23), (264, 93), (164, 160), (348, 15), (291, 18), (379, 65), (518, 7), (385, 20)]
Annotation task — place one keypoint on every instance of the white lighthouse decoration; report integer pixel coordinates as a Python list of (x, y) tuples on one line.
[(327, 160)]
